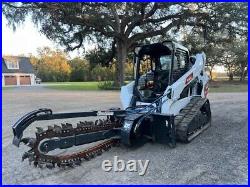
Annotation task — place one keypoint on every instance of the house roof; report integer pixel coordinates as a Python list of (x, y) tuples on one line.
[(24, 65)]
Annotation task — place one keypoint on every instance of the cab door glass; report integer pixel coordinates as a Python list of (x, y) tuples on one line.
[(175, 65), (182, 61), (165, 62)]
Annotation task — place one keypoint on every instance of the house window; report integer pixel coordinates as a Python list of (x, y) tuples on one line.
[(12, 65)]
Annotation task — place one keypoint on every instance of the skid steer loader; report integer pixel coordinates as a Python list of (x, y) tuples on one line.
[(166, 102)]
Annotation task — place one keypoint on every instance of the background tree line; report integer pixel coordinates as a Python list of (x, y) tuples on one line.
[(233, 54), (55, 66)]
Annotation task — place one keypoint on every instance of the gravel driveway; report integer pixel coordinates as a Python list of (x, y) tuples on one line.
[(218, 156)]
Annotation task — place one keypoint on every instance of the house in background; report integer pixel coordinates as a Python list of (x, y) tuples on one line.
[(17, 71)]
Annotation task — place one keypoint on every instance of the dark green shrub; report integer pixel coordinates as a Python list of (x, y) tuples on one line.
[(107, 85)]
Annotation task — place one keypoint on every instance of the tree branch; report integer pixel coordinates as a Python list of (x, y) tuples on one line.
[(139, 19), (143, 35), (117, 20)]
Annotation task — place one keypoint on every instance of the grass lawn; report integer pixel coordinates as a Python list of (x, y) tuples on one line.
[(226, 86), (73, 85), (214, 86), (7, 88)]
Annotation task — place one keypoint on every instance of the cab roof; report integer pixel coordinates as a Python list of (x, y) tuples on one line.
[(159, 48)]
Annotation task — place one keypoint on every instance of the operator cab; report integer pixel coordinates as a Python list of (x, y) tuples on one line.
[(157, 66)]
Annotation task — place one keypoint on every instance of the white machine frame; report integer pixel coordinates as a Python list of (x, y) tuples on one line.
[(172, 106)]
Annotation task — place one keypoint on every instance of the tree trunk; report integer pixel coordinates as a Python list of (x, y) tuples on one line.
[(231, 76), (120, 65), (211, 74), (242, 73)]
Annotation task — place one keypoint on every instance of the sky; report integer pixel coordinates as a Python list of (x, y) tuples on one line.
[(26, 39)]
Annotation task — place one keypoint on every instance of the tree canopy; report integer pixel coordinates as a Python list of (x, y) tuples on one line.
[(123, 25)]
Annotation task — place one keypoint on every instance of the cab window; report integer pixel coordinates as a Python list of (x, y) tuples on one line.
[(165, 62), (182, 61)]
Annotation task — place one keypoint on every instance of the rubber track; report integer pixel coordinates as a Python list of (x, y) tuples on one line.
[(186, 116)]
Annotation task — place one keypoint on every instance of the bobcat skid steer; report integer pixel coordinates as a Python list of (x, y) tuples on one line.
[(166, 102)]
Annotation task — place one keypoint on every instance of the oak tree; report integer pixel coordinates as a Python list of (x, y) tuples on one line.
[(123, 24)]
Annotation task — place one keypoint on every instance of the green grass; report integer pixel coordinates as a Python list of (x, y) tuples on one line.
[(214, 86), (73, 85), (226, 86), (7, 88)]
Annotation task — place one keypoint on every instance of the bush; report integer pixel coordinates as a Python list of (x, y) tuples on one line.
[(107, 85), (100, 73), (80, 70)]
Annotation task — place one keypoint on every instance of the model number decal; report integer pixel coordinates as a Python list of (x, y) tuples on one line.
[(189, 78)]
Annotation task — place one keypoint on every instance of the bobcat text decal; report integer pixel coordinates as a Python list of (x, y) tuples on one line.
[(189, 78)]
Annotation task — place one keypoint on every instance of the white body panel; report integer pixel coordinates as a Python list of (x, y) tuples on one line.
[(174, 105), (127, 94)]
